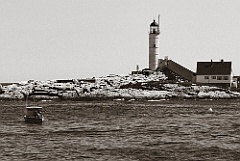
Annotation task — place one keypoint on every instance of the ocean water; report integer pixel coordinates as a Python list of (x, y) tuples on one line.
[(122, 131)]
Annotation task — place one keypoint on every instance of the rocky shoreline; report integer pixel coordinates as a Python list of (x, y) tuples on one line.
[(128, 87)]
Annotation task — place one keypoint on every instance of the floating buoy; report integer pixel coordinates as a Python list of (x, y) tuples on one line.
[(210, 110)]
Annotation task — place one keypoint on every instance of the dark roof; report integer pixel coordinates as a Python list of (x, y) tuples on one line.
[(214, 68), (154, 23)]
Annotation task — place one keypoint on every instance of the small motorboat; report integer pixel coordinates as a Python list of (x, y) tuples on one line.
[(34, 115)]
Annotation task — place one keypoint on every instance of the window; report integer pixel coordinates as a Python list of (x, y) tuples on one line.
[(219, 77), (225, 77), (154, 45), (213, 77), (206, 77)]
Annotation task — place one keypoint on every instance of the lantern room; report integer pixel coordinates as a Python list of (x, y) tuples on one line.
[(154, 27)]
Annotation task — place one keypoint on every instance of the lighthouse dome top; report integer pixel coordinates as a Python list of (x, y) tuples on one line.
[(154, 23)]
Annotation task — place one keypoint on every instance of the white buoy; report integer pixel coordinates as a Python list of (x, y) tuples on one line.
[(210, 110)]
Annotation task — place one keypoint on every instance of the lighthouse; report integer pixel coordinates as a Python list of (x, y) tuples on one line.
[(153, 44)]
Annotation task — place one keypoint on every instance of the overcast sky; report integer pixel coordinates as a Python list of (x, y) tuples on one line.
[(69, 39)]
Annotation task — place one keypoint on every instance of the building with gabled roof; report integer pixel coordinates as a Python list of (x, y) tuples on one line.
[(218, 73)]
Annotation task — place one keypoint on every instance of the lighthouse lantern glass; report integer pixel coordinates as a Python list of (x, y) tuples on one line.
[(154, 29)]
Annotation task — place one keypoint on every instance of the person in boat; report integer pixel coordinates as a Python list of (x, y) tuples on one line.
[(38, 114)]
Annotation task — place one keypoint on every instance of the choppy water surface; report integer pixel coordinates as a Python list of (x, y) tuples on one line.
[(164, 130)]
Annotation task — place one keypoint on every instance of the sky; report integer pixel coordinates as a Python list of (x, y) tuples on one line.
[(74, 39)]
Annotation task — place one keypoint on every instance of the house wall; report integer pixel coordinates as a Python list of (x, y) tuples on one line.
[(219, 79)]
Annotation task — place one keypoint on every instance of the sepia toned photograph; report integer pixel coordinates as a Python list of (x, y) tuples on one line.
[(119, 80)]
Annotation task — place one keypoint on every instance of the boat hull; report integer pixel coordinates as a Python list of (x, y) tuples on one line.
[(33, 120)]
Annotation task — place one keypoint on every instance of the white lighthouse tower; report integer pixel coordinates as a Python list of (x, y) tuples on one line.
[(153, 44)]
